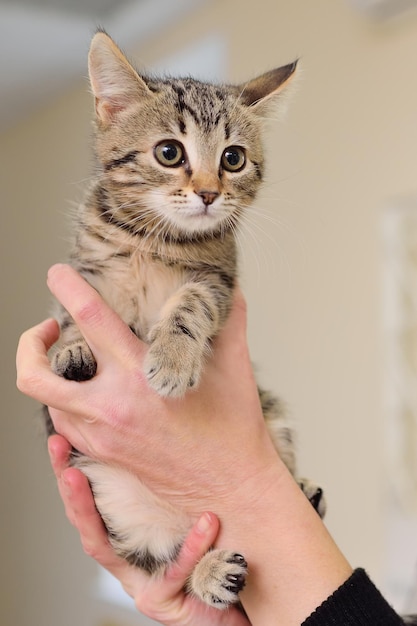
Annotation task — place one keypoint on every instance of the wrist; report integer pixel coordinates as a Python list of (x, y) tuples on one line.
[(294, 565)]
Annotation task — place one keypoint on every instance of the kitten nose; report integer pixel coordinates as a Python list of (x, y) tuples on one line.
[(208, 197)]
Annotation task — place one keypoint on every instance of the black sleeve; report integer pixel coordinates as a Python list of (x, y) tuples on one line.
[(356, 603)]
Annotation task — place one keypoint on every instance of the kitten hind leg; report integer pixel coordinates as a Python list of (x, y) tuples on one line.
[(144, 529), (282, 438), (149, 532), (279, 428), (314, 494)]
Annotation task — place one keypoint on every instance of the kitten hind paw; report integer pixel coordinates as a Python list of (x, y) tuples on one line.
[(75, 361), (314, 494), (218, 578)]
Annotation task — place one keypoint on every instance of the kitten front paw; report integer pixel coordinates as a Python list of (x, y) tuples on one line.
[(75, 361), (314, 494), (173, 365), (218, 578)]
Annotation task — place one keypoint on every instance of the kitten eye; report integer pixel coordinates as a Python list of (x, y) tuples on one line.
[(233, 159), (169, 153)]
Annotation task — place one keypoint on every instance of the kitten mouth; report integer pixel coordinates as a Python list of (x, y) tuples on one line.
[(206, 214), (201, 211), (199, 218), (204, 209)]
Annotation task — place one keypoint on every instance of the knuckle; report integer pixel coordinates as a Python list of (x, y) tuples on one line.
[(142, 602), (89, 313), (27, 382), (92, 549), (71, 517), (145, 603), (98, 442)]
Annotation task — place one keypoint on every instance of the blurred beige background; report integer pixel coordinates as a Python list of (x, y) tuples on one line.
[(312, 273)]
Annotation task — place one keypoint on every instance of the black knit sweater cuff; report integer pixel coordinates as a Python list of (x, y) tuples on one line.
[(356, 603)]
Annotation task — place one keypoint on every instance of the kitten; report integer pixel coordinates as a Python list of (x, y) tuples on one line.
[(179, 161)]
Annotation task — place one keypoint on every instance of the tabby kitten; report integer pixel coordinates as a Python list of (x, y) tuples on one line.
[(179, 161)]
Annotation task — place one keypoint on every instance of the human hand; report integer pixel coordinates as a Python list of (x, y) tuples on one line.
[(207, 451), (200, 451), (161, 599)]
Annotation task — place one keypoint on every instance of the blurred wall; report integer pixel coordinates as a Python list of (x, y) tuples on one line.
[(311, 272)]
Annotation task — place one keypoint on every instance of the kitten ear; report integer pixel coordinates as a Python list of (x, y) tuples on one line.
[(260, 92), (114, 82)]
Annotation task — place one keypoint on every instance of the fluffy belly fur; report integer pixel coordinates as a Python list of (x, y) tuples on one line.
[(144, 529)]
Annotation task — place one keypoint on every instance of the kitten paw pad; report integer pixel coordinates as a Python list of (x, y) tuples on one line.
[(218, 578), (75, 361)]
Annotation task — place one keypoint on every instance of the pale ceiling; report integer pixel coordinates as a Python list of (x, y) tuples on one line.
[(44, 43), (87, 8)]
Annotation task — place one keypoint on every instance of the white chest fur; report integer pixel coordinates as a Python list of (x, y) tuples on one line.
[(137, 288)]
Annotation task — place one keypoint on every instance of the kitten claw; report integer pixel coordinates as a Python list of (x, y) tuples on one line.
[(238, 582), (237, 558), (315, 499)]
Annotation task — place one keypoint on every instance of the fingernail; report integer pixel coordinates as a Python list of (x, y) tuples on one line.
[(204, 523)]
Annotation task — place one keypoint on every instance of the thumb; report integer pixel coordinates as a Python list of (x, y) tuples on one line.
[(197, 543)]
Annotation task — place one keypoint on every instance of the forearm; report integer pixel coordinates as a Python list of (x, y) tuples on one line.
[(294, 564), (355, 603)]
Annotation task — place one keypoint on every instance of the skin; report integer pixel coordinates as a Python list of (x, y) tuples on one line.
[(163, 599), (207, 460)]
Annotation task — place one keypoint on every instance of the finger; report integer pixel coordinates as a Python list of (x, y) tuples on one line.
[(81, 510), (33, 347), (68, 426), (59, 450), (101, 327), (34, 375), (201, 537), (76, 495), (230, 346), (161, 598)]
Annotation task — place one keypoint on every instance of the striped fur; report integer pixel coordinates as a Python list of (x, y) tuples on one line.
[(178, 161)]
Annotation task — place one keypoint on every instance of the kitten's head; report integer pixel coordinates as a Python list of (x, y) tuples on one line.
[(178, 155)]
